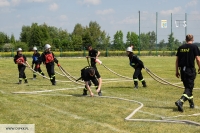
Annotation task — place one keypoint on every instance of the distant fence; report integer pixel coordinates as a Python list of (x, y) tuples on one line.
[(103, 53)]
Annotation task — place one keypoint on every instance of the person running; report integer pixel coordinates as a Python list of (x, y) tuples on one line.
[(48, 59), (88, 75), (35, 61), (21, 62), (185, 57), (137, 64)]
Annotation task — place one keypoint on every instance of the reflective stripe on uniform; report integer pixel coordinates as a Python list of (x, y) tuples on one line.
[(142, 80), (185, 95), (52, 76)]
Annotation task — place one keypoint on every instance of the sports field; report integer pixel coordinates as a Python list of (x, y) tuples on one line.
[(121, 109)]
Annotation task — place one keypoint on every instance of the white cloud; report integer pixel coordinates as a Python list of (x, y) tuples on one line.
[(63, 18), (37, 1), (15, 2), (53, 7), (4, 3), (192, 3), (129, 20), (175, 10), (89, 2), (104, 12)]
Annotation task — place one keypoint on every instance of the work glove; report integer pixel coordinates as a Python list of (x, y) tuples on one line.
[(58, 65)]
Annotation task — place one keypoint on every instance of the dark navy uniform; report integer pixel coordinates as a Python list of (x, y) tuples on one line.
[(137, 64), (186, 56), (20, 59), (48, 59), (85, 75), (93, 53), (36, 62)]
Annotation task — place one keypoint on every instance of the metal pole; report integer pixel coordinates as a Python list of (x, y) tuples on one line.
[(186, 23), (139, 36), (156, 33), (171, 33)]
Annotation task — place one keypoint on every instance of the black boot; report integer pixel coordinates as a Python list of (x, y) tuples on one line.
[(179, 104), (99, 93), (84, 92), (25, 81), (20, 82), (191, 103), (136, 84), (34, 76), (53, 81), (144, 84)]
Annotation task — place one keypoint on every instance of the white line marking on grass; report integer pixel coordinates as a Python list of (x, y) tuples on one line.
[(35, 92), (78, 117), (2, 92), (117, 81), (128, 118)]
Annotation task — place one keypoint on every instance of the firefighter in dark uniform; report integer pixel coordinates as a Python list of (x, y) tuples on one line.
[(88, 75), (93, 55), (137, 64), (36, 56), (185, 57), (20, 59), (48, 59)]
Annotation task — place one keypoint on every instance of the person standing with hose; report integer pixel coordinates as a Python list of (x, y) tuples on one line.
[(21, 61), (36, 56), (93, 55), (185, 57), (48, 59), (137, 64)]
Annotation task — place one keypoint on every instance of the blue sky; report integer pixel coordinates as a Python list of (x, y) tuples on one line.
[(111, 15)]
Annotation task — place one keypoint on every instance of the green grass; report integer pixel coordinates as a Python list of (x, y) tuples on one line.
[(66, 111)]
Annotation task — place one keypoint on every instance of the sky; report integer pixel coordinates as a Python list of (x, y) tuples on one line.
[(161, 16)]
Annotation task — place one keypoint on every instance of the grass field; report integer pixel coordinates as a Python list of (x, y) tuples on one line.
[(63, 109)]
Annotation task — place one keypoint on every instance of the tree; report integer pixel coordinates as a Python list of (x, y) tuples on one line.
[(144, 41), (118, 43), (132, 39), (86, 38), (161, 45), (95, 32), (170, 44), (78, 30), (176, 44), (24, 35), (104, 41), (12, 39), (152, 39), (35, 38), (77, 42)]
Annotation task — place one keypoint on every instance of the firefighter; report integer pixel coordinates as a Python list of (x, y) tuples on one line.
[(36, 62), (137, 64), (185, 57), (93, 55), (21, 61), (48, 59), (88, 75)]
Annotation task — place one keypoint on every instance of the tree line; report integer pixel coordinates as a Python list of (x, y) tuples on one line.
[(59, 39)]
